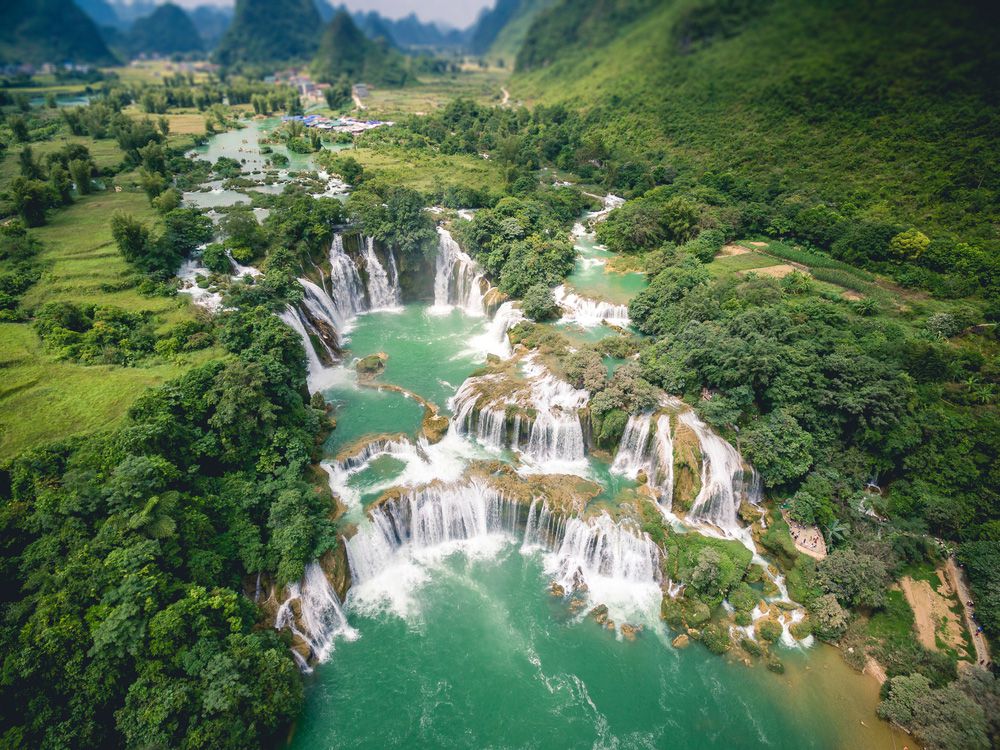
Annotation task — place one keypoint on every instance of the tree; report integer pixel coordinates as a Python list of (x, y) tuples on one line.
[(539, 304), (855, 578), (131, 236), (31, 198), (29, 168), (80, 170), (909, 245), (942, 719), (828, 617), (61, 184), (779, 448)]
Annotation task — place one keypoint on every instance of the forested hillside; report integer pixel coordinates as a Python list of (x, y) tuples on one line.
[(166, 30), (261, 32), (49, 31), (863, 113)]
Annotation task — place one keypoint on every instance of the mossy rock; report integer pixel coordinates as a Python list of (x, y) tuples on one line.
[(774, 664), (742, 619), (372, 365), (435, 427), (672, 613), (687, 467), (715, 636), (768, 629), (696, 612), (751, 647), (801, 629)]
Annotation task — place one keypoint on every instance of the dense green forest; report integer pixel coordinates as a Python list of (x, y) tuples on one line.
[(159, 464)]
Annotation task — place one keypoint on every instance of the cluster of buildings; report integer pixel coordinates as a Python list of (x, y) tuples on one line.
[(310, 91), (339, 125), (27, 69)]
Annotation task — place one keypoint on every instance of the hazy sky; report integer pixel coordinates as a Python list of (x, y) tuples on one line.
[(458, 13)]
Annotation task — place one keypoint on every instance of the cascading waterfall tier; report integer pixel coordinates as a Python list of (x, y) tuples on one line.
[(723, 484), (320, 618), (421, 525), (458, 279), (383, 285), (616, 563), (347, 293), (587, 312), (647, 447), (495, 340), (540, 419)]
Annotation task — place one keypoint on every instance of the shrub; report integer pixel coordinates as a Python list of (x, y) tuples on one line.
[(539, 304)]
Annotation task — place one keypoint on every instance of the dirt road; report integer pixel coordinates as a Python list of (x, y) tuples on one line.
[(957, 578)]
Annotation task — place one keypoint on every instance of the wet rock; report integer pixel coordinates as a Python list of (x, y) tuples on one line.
[(600, 614), (372, 365), (556, 590), (681, 641), (630, 631), (435, 427)]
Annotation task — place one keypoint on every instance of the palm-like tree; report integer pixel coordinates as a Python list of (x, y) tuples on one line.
[(834, 532)]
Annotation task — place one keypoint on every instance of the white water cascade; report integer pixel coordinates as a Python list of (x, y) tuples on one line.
[(494, 340), (421, 526), (556, 434), (722, 480), (648, 449), (347, 293), (549, 441), (458, 279), (321, 307), (320, 618), (383, 286), (587, 312), (318, 376)]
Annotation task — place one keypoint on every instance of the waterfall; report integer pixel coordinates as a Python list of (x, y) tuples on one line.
[(614, 563), (555, 433), (599, 547), (347, 293), (318, 375), (383, 287), (619, 564), (323, 309), (494, 340), (652, 454), (549, 440), (458, 280), (189, 273), (587, 312), (420, 526), (722, 479), (632, 455), (320, 619)]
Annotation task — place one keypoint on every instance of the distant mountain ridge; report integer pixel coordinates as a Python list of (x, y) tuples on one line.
[(262, 33), (347, 54), (167, 30), (55, 31)]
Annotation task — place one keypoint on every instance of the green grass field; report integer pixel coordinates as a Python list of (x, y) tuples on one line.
[(426, 171), (434, 92), (43, 399), (105, 152)]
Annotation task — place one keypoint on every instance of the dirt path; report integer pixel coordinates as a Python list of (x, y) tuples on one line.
[(357, 101), (957, 579), (506, 96)]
